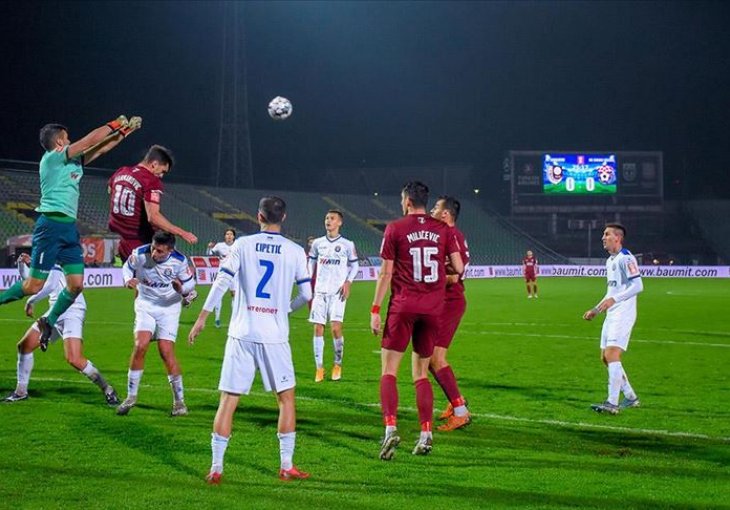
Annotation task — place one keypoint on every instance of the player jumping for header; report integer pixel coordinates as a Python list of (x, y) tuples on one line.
[(135, 193)]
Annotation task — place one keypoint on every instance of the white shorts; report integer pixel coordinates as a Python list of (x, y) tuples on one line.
[(163, 322), (243, 358), (616, 331), (69, 325), (327, 307)]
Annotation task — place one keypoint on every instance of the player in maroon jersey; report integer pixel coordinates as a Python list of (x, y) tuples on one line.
[(529, 269), (457, 415), (414, 253), (134, 208)]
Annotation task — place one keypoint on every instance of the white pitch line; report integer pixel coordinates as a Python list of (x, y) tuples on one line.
[(573, 337), (570, 337), (536, 335), (490, 416)]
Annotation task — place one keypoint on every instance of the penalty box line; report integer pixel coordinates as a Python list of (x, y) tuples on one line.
[(489, 416)]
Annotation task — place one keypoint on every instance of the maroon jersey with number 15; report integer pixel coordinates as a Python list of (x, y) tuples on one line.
[(130, 187), (418, 246)]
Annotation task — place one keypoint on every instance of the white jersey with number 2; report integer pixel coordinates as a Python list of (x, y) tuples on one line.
[(266, 266)]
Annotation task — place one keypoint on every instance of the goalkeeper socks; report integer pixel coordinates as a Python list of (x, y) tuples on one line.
[(176, 383), (339, 347), (389, 398), (14, 293), (287, 441), (218, 445), (626, 388), (615, 380), (133, 378), (64, 301), (424, 402), (318, 344), (94, 375), (25, 367)]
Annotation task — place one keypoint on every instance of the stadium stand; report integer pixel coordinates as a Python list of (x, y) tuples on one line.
[(208, 211), (710, 218)]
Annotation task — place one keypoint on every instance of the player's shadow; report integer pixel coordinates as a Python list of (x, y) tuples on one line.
[(149, 440)]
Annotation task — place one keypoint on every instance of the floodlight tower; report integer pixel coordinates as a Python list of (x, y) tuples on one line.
[(234, 166)]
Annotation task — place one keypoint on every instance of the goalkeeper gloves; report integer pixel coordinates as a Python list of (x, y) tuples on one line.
[(134, 124), (118, 123)]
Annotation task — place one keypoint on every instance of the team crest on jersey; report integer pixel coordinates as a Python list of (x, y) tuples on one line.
[(613, 267), (421, 220), (338, 249), (168, 273)]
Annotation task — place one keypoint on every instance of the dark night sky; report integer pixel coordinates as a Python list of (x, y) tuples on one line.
[(382, 84)]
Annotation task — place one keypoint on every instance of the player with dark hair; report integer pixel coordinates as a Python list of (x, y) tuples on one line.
[(414, 253), (135, 193), (221, 250), (334, 259), (619, 303), (163, 279), (69, 327), (457, 415), (55, 237), (529, 271), (267, 266)]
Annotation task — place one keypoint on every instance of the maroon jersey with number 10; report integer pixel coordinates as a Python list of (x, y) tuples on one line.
[(418, 246), (130, 187)]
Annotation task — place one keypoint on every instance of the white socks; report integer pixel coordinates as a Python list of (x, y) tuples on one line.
[(25, 367), (94, 375), (217, 311), (133, 378), (318, 343), (339, 345), (615, 381), (176, 383), (626, 388), (286, 448), (218, 445)]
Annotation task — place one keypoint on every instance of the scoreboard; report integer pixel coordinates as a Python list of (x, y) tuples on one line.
[(559, 181)]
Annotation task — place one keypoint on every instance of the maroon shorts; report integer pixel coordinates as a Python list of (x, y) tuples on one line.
[(530, 277), (400, 327), (449, 322), (127, 246)]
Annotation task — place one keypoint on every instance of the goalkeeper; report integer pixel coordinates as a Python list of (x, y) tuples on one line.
[(55, 236)]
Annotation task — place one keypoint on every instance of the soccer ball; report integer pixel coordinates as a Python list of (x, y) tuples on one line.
[(280, 108)]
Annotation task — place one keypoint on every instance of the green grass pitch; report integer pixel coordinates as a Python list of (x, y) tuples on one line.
[(529, 368)]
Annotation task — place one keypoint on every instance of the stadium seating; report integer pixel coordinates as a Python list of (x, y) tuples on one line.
[(711, 218), (208, 211)]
